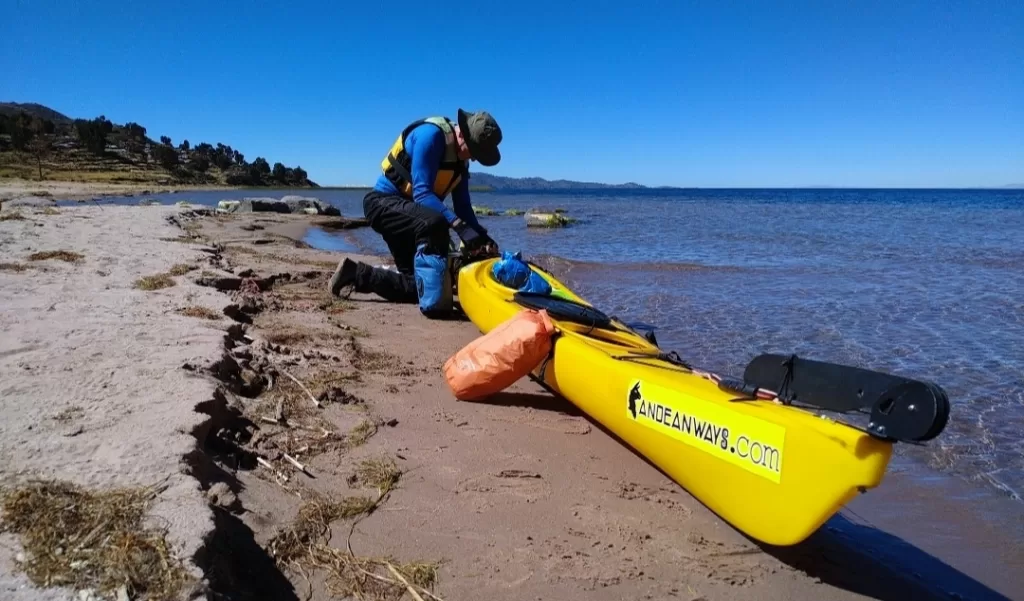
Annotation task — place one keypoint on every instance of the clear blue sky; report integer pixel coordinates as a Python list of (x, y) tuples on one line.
[(711, 94)]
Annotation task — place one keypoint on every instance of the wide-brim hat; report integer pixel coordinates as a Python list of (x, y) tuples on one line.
[(482, 136)]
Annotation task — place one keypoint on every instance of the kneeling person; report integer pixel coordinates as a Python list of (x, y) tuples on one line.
[(428, 161)]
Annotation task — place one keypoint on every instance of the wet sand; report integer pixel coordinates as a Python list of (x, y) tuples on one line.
[(519, 497)]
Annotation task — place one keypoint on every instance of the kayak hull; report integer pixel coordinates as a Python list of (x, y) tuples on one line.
[(774, 472)]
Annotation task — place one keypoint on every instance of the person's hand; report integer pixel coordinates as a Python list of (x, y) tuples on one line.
[(468, 234), (490, 246)]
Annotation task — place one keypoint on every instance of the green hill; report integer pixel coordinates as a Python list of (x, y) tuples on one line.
[(11, 109), (37, 142)]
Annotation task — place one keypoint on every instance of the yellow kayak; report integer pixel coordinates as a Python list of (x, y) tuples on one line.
[(774, 471)]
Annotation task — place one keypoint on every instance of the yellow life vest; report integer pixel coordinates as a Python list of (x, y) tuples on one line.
[(397, 165)]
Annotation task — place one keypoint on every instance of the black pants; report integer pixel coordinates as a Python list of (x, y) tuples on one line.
[(404, 225)]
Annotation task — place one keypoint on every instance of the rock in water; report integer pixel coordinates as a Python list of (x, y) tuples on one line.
[(302, 204), (536, 218), (288, 204), (261, 205)]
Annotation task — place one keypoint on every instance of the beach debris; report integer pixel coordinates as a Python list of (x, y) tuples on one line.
[(148, 202), (484, 211), (57, 255), (303, 387), (514, 212), (297, 465), (280, 476), (380, 473), (154, 282), (199, 312), (181, 269), (303, 544), (361, 433), (408, 586), (517, 474), (12, 216), (91, 540)]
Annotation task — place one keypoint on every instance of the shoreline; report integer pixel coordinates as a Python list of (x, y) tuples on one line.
[(519, 497), (11, 188), (324, 238)]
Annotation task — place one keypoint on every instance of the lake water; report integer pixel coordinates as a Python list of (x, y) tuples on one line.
[(926, 283)]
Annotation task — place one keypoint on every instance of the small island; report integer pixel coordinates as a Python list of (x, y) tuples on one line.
[(39, 143)]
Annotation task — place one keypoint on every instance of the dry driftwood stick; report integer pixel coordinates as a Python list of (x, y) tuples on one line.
[(298, 465), (392, 581), (277, 473), (304, 389), (279, 412), (408, 586)]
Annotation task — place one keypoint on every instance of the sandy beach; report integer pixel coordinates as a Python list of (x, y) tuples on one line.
[(16, 188), (309, 448)]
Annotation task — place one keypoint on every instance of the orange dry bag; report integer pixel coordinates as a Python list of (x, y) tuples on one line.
[(494, 361)]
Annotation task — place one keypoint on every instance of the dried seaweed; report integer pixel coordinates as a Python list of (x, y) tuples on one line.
[(92, 540)]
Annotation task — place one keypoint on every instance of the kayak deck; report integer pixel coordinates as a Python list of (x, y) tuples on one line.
[(773, 471)]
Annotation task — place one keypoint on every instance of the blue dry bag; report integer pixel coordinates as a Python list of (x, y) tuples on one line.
[(433, 284), (512, 271)]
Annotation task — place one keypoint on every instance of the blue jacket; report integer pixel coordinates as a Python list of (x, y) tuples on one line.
[(425, 145)]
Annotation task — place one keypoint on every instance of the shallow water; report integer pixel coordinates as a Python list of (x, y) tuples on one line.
[(929, 284)]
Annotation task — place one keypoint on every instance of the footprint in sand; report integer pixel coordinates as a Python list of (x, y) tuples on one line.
[(521, 484)]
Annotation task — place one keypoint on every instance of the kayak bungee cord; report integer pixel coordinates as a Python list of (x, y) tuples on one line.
[(734, 384)]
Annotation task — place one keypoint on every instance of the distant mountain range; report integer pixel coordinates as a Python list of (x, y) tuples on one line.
[(497, 182)]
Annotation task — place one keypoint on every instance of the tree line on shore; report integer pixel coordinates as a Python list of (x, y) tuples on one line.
[(42, 137)]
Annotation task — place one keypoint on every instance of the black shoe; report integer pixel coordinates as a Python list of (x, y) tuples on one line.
[(343, 282)]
